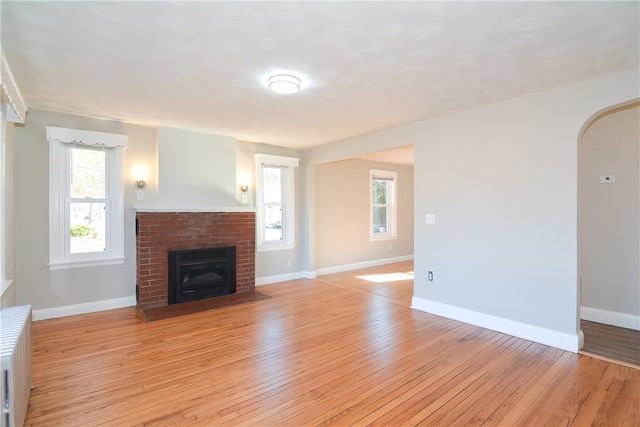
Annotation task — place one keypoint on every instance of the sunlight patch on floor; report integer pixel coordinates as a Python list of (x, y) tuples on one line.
[(389, 277)]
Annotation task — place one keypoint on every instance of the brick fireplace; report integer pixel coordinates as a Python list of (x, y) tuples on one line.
[(160, 232)]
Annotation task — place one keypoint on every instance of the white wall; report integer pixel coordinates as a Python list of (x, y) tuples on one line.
[(608, 218), (196, 169), (502, 182), (342, 215)]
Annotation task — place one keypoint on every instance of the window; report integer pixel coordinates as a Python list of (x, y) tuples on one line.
[(274, 198), (383, 204), (86, 206)]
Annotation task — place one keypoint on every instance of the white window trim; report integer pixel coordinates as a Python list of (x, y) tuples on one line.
[(392, 230), (59, 257), (3, 192), (288, 214)]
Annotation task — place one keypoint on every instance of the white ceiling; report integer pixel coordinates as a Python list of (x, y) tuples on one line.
[(365, 66)]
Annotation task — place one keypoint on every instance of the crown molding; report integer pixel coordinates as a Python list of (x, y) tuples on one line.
[(11, 92)]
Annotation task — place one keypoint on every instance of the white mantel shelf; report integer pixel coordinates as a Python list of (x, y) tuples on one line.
[(152, 209)]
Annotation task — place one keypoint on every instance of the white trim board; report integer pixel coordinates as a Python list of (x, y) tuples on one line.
[(537, 334), (267, 280), (359, 265), (17, 112), (89, 307), (622, 320)]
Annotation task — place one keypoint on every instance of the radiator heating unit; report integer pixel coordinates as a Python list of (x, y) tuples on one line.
[(15, 349)]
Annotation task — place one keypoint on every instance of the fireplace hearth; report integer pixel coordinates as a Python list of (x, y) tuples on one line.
[(201, 273)]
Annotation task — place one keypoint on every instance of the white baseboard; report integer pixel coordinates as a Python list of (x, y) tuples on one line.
[(89, 307), (537, 334), (614, 318), (281, 278), (359, 265)]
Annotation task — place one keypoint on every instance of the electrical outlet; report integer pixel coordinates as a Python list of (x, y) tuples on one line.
[(140, 194), (288, 263)]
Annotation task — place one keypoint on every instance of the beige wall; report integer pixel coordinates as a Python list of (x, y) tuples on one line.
[(342, 214), (195, 169), (609, 213)]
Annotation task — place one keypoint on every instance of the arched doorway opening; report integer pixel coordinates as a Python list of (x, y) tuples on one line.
[(609, 232)]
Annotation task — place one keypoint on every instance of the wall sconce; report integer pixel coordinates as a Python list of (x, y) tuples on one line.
[(140, 176), (244, 179)]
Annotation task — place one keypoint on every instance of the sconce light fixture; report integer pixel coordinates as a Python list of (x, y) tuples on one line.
[(140, 176), (244, 179)]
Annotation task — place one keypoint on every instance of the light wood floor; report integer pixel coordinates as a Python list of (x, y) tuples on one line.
[(337, 350)]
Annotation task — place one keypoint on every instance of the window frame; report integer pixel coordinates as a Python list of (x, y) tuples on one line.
[(61, 140), (287, 165), (392, 204)]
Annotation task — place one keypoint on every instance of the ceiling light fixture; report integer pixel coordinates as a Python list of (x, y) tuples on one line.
[(284, 83)]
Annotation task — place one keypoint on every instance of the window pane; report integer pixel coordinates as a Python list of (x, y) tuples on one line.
[(380, 219), (273, 223), (88, 173), (87, 227), (272, 185), (379, 192)]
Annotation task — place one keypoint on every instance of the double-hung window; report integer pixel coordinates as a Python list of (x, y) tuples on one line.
[(86, 200), (274, 199), (383, 209)]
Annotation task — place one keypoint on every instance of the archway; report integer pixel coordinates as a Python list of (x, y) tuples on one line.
[(609, 229)]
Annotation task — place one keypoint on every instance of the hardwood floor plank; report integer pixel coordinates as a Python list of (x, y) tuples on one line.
[(370, 388), (497, 404), (337, 350), (352, 410), (491, 387)]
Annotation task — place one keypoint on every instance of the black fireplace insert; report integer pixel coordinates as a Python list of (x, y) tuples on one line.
[(201, 273)]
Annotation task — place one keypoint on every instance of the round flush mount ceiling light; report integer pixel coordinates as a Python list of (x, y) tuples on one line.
[(284, 83)]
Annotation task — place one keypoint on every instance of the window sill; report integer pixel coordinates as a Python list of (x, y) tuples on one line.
[(64, 265), (268, 248), (380, 238)]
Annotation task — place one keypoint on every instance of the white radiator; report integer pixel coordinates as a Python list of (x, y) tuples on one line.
[(15, 349)]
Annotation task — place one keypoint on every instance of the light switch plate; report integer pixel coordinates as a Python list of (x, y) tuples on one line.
[(430, 219)]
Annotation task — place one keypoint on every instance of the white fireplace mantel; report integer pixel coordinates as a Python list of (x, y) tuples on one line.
[(151, 209)]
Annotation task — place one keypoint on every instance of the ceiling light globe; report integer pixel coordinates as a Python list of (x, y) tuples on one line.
[(285, 84)]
